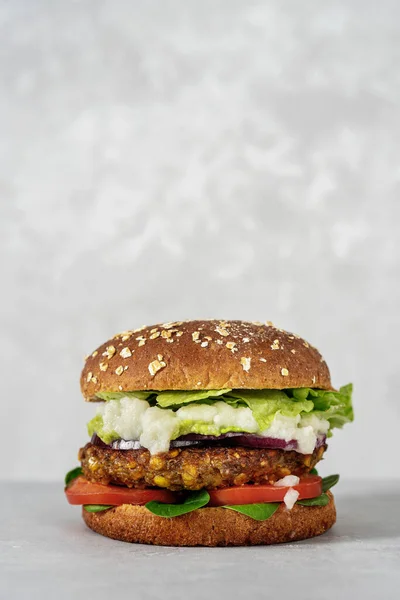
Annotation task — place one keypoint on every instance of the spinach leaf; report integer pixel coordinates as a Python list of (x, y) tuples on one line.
[(321, 500), (71, 475), (96, 507), (192, 502), (328, 482), (314, 471), (258, 512)]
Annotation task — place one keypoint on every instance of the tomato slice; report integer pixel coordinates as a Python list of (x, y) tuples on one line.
[(309, 487), (82, 491)]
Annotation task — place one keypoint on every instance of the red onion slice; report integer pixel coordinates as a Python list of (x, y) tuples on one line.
[(193, 440)]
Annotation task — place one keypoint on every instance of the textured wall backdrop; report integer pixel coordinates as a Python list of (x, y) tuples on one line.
[(164, 160)]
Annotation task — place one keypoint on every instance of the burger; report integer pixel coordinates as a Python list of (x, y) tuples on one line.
[(208, 433)]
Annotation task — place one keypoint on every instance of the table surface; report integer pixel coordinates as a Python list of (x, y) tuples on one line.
[(47, 552)]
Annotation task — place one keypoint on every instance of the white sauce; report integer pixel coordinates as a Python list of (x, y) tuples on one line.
[(291, 498), (305, 430), (288, 481)]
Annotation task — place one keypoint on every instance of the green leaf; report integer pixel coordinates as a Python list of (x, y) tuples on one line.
[(258, 512), (118, 395), (94, 508), (321, 500), (336, 407), (177, 398), (264, 404), (329, 482), (73, 474), (314, 471), (192, 502)]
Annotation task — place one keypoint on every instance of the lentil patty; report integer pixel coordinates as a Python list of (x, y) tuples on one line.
[(194, 468)]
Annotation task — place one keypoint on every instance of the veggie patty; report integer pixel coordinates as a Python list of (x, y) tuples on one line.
[(194, 468)]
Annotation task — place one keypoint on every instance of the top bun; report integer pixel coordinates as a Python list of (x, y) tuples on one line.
[(190, 355)]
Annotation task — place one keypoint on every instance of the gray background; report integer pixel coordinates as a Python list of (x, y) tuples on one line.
[(164, 160)]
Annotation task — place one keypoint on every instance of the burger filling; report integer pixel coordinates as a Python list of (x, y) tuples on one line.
[(298, 419), (210, 439), (177, 451)]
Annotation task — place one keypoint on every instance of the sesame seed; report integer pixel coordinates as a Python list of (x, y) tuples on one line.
[(263, 359), (103, 366), (140, 338), (154, 330), (86, 357), (314, 379), (293, 351), (142, 343), (165, 334), (284, 372), (204, 344), (195, 335), (155, 335), (230, 345), (126, 367), (275, 345), (155, 366), (125, 337), (246, 363), (89, 376), (245, 340), (94, 379), (269, 323), (170, 340), (95, 353), (119, 370), (306, 344), (160, 356), (207, 337), (179, 333), (220, 342), (125, 352), (120, 388)]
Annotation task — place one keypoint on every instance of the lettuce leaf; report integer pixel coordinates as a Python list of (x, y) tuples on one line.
[(118, 395), (336, 407), (177, 398), (264, 405)]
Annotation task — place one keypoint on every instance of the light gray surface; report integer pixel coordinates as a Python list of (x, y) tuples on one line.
[(161, 160), (47, 552)]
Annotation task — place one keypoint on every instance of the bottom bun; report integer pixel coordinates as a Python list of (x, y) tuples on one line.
[(212, 526)]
